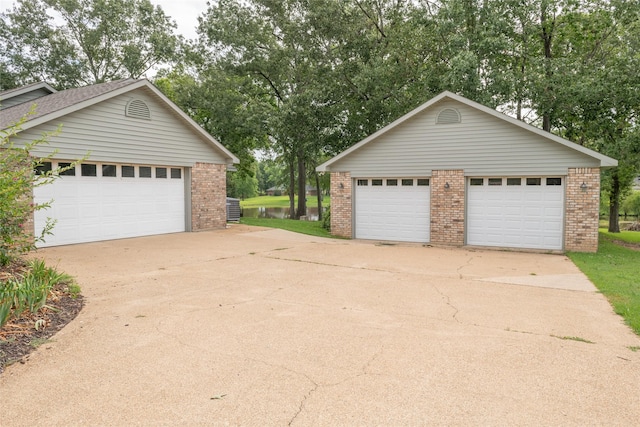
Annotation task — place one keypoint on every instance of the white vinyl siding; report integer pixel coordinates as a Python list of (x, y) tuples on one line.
[(480, 145), (392, 212), (515, 216), (109, 135)]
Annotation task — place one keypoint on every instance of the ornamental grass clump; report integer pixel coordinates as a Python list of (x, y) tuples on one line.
[(28, 291)]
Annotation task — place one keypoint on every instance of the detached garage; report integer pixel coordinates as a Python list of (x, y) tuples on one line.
[(150, 168), (453, 171)]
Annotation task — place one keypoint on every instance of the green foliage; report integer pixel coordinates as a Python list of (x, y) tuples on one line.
[(16, 203), (18, 177), (614, 271), (326, 220), (241, 185), (29, 292), (89, 41), (631, 204)]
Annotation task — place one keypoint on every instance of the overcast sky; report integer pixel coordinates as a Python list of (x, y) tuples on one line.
[(184, 12)]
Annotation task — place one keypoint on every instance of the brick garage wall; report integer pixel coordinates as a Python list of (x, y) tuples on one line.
[(341, 207), (447, 207), (582, 210), (208, 196)]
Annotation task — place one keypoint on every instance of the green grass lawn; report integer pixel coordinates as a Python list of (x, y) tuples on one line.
[(615, 270), (280, 202), (625, 236), (313, 228)]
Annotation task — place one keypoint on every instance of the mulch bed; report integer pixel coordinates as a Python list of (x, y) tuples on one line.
[(19, 337)]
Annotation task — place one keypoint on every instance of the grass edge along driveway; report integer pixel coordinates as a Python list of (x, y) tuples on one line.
[(614, 271)]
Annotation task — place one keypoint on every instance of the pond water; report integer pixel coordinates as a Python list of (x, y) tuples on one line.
[(281, 213)]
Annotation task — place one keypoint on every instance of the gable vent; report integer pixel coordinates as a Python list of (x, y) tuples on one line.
[(139, 109), (448, 116)]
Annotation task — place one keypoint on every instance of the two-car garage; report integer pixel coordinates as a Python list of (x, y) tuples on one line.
[(519, 212), (474, 176)]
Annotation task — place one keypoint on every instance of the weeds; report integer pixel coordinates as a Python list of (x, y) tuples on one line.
[(37, 342), (579, 339)]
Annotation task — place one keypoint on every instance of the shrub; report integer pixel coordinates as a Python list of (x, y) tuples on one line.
[(17, 180), (326, 219)]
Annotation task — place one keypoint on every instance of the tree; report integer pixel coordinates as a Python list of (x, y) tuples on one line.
[(598, 101), (97, 41)]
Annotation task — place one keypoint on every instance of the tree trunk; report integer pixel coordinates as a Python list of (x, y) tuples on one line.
[(302, 181), (292, 186), (319, 195), (547, 37), (614, 204)]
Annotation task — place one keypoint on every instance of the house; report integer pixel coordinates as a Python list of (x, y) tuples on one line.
[(150, 168), (278, 190), (455, 172)]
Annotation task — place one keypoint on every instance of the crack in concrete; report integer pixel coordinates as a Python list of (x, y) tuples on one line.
[(301, 407), (466, 264), (316, 385), (305, 397), (329, 265), (448, 302)]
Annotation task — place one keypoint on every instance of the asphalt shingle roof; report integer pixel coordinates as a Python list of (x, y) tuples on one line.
[(58, 101)]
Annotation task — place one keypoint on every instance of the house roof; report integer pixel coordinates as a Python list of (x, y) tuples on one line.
[(57, 104), (605, 161), (11, 93)]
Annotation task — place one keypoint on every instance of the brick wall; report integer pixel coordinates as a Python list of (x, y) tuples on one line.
[(341, 208), (208, 196), (582, 210), (447, 207)]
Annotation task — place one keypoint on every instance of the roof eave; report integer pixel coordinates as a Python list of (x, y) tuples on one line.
[(28, 88)]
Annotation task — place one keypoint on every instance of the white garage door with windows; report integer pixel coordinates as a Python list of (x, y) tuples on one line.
[(93, 202), (392, 209), (520, 212)]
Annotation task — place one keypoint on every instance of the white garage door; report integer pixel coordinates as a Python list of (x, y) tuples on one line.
[(392, 209), (515, 212), (107, 201)]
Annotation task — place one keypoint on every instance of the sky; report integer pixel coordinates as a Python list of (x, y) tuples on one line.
[(184, 12)]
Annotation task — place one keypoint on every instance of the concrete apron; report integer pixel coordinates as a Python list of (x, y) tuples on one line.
[(248, 326)]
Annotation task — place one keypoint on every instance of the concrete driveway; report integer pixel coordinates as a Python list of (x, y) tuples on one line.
[(248, 326)]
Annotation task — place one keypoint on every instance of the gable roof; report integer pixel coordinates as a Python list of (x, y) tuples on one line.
[(605, 161), (12, 93), (61, 103)]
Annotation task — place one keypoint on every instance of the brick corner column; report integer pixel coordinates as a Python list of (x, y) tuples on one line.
[(447, 207), (582, 210), (341, 208), (208, 196)]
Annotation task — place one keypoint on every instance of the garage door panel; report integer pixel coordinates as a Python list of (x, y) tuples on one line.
[(527, 216), (398, 213), (101, 208)]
